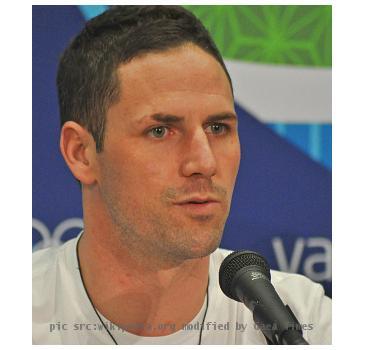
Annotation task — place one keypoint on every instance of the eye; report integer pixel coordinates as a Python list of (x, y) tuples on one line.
[(158, 132), (218, 128)]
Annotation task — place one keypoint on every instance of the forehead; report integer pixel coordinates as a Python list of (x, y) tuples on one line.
[(167, 79)]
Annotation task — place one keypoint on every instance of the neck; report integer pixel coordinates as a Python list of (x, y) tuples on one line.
[(130, 290)]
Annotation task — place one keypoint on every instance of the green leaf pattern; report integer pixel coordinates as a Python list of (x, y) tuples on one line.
[(276, 34)]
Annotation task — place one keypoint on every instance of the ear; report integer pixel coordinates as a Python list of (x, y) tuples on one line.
[(78, 149)]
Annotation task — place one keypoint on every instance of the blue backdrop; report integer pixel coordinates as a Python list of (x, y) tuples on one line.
[(282, 202)]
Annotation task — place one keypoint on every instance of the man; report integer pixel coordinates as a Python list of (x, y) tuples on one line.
[(150, 131)]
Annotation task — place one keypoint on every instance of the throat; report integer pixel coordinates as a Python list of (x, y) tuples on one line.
[(127, 297)]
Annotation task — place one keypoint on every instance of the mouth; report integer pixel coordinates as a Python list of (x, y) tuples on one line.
[(197, 200), (199, 205)]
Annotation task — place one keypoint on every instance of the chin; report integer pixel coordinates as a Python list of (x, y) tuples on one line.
[(199, 254), (203, 249)]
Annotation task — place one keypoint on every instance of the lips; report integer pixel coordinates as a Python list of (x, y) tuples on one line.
[(199, 206), (197, 200)]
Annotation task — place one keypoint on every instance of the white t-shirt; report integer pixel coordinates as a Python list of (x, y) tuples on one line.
[(63, 314)]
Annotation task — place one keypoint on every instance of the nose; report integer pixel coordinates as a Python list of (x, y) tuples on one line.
[(198, 156)]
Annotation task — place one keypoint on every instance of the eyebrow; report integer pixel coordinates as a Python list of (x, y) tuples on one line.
[(174, 119), (222, 116), (166, 118)]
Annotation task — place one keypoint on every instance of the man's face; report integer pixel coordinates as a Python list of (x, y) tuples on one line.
[(171, 154)]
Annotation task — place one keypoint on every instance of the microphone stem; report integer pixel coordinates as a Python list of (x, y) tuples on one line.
[(293, 337)]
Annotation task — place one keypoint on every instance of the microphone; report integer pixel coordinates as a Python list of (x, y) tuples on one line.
[(244, 276)]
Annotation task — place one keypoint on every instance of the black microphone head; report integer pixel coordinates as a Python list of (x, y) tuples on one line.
[(235, 262)]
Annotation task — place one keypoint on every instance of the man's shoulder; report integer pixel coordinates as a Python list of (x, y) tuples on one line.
[(51, 269), (44, 259), (47, 260), (282, 278), (55, 295)]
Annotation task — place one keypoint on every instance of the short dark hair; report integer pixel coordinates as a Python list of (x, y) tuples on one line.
[(87, 80)]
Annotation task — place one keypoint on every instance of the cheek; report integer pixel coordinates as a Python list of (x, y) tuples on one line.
[(140, 172), (230, 157)]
